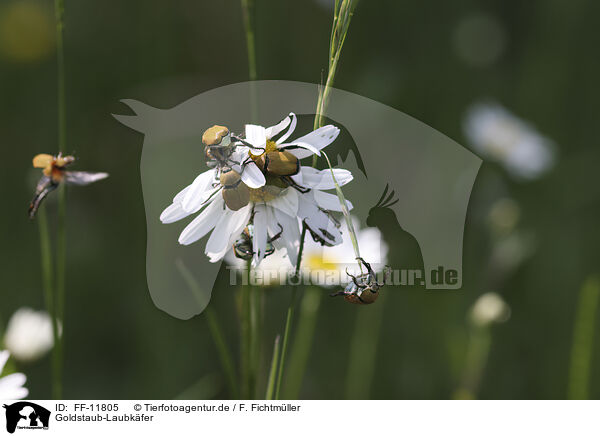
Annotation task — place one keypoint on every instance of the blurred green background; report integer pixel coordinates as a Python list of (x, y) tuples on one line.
[(537, 58)]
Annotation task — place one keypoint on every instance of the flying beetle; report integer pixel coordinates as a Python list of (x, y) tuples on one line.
[(55, 173), (242, 248), (364, 288)]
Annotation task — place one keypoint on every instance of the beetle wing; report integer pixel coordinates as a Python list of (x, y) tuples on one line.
[(83, 177), (43, 188)]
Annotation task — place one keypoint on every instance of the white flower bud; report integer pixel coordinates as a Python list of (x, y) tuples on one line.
[(489, 308), (29, 334)]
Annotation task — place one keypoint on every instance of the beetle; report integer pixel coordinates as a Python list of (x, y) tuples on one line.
[(55, 173), (218, 150), (364, 288), (242, 248), (218, 146), (235, 193), (278, 163)]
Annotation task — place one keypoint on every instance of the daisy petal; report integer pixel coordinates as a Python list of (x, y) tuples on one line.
[(4, 355), (181, 194), (259, 239), (173, 213), (313, 178), (279, 127), (203, 223), (329, 201), (228, 229), (11, 386), (290, 234), (287, 203), (287, 134), (194, 197), (252, 176), (318, 221), (316, 140), (257, 136)]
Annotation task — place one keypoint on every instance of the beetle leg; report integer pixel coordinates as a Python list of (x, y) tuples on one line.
[(277, 235), (294, 185), (336, 294), (247, 144), (369, 269)]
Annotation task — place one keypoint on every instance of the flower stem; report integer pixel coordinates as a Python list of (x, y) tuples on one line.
[(583, 340), (273, 370), (248, 12), (255, 335), (213, 326), (341, 21), (289, 317), (246, 339), (61, 251), (286, 335), (222, 349), (49, 297), (248, 15), (363, 351), (303, 339), (478, 348)]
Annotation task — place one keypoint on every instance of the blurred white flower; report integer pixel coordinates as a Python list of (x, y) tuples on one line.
[(12, 386), (29, 334), (499, 135), (275, 205), (489, 308)]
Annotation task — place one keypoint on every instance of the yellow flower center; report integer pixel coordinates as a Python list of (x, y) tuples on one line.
[(271, 146), (315, 262), (272, 189)]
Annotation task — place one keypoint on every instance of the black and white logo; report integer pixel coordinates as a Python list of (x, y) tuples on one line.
[(26, 415)]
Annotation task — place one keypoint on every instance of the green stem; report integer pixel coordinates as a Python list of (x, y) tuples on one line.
[(222, 349), (341, 22), (273, 370), (290, 316), (47, 280), (59, 9), (246, 340), (61, 231), (478, 349), (303, 340), (248, 15), (286, 335), (248, 12), (583, 340), (213, 326), (254, 349)]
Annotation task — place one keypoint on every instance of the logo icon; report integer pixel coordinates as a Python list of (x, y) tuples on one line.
[(26, 415)]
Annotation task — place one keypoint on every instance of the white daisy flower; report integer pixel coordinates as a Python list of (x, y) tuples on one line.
[(272, 203), (499, 135), (29, 334), (12, 386)]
